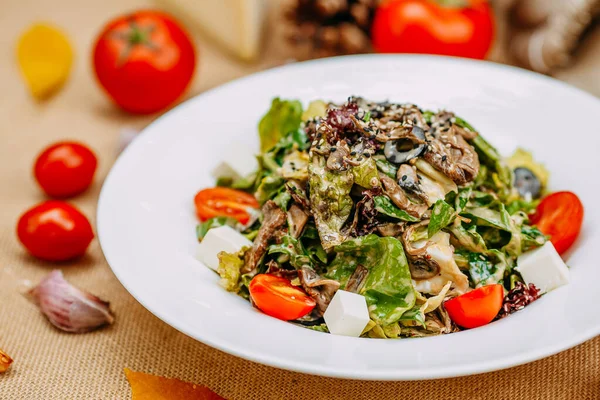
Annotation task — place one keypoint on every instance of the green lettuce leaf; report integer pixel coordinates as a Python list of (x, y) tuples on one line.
[(521, 205), (229, 270), (282, 199), (486, 268), (442, 215), (388, 287), (385, 166), (481, 270), (468, 238), (330, 200), (413, 317), (365, 174), (203, 227), (292, 251), (531, 238), (384, 205), (501, 175), (494, 216), (269, 187), (283, 117), (462, 198)]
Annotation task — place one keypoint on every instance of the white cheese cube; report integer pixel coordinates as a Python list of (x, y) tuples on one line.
[(347, 314), (238, 163), (544, 268), (223, 238)]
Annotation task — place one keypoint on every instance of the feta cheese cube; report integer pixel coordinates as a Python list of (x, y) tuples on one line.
[(544, 268), (238, 163), (223, 238), (347, 314)]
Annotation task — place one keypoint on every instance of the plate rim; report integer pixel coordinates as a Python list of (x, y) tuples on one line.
[(471, 368)]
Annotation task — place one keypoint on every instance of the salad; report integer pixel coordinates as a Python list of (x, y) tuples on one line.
[(383, 220)]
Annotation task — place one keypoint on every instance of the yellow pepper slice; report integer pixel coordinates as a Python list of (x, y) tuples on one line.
[(45, 58)]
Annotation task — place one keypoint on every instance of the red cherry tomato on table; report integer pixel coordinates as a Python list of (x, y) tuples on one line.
[(462, 28), (65, 169), (278, 298), (55, 231), (144, 61), (226, 202), (559, 215), (477, 307)]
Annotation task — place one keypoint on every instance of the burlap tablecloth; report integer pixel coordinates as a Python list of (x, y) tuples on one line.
[(53, 365)]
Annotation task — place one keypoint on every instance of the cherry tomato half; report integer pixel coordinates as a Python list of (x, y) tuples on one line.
[(144, 61), (477, 307), (65, 169), (226, 202), (55, 231), (559, 215), (465, 29), (278, 298)]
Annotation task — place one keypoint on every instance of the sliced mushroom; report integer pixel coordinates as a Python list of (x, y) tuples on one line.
[(320, 289), (357, 279), (450, 153), (409, 144), (399, 197), (390, 229), (421, 266), (431, 261), (338, 159), (408, 179), (297, 218)]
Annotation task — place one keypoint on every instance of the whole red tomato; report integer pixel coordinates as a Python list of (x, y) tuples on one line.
[(55, 231), (65, 169), (462, 28), (144, 61), (559, 215)]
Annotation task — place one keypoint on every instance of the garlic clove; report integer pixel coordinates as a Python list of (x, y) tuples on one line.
[(5, 361), (69, 308)]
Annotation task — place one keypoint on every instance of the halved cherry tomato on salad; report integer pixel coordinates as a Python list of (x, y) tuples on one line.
[(559, 215), (477, 307), (278, 298), (226, 202), (65, 169), (462, 28), (55, 231)]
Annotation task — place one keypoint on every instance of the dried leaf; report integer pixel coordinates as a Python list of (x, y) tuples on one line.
[(152, 387), (5, 361)]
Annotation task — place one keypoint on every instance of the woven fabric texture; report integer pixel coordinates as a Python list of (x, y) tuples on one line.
[(52, 365)]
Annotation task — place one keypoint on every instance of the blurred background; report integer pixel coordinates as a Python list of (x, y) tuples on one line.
[(236, 37)]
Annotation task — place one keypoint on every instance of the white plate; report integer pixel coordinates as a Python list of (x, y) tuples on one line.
[(146, 221)]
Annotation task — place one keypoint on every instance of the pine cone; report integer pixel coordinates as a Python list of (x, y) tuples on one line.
[(323, 28)]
